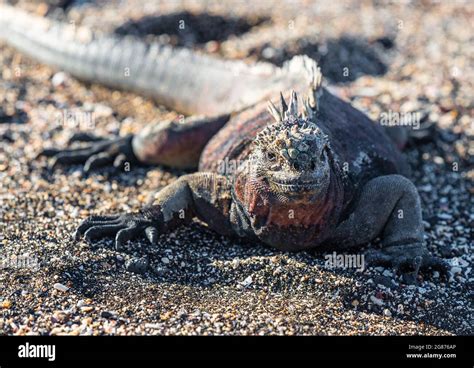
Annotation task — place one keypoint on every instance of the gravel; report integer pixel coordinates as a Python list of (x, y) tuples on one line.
[(197, 282)]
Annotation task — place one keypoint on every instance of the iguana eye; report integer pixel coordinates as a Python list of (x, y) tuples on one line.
[(271, 156)]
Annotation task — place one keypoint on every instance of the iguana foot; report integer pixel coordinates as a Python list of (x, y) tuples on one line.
[(125, 227), (406, 259), (101, 152)]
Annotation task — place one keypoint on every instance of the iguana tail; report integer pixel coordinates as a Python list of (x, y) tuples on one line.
[(181, 79)]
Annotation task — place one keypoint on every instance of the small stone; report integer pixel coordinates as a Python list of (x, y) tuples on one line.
[(438, 160), (56, 331), (376, 300), (87, 309), (455, 270), (60, 287), (445, 216), (75, 332), (159, 271), (212, 46), (165, 260), (165, 316), (6, 304), (137, 265), (103, 110), (59, 317), (152, 325), (268, 52), (247, 282), (387, 313), (355, 303), (59, 79), (107, 314), (385, 281)]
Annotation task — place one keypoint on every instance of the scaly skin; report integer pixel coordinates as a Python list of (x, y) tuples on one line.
[(326, 179), (287, 188)]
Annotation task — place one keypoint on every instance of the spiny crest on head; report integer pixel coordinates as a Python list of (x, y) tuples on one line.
[(290, 112), (291, 133)]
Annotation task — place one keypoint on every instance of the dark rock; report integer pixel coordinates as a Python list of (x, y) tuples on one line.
[(137, 265), (385, 281)]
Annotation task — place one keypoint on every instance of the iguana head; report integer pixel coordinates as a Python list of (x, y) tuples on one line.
[(293, 154)]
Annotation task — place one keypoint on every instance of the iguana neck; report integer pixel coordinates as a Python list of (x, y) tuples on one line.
[(294, 223)]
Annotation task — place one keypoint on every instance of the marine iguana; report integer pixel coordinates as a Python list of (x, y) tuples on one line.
[(323, 177)]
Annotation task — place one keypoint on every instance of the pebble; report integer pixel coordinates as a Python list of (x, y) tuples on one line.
[(107, 314), (247, 282), (376, 301), (152, 325), (387, 313), (445, 216), (60, 287), (59, 79), (456, 270), (6, 304), (137, 265), (386, 281)]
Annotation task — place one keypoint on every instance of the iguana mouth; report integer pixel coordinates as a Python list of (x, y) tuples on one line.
[(295, 186)]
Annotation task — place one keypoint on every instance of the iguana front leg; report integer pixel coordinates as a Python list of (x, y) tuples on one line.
[(203, 195), (169, 143), (389, 207)]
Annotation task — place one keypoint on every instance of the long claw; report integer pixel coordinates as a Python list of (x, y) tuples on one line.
[(410, 276), (120, 161), (152, 234), (98, 160), (82, 228), (94, 221), (69, 158), (407, 260), (437, 264), (51, 152), (123, 236), (48, 152), (101, 231)]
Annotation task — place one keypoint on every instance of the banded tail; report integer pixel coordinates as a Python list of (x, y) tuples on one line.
[(183, 80)]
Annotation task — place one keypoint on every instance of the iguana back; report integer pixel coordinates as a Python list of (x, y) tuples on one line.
[(361, 146)]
